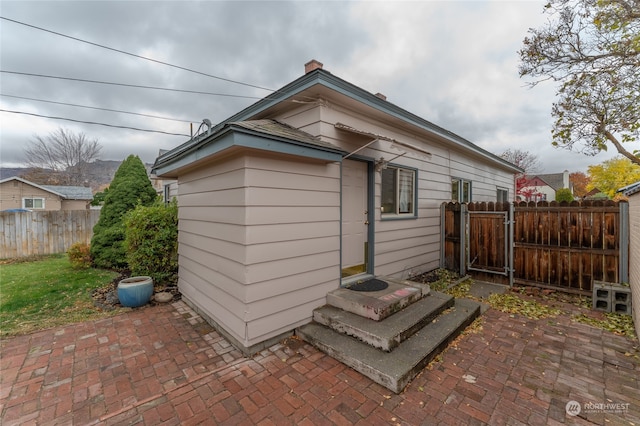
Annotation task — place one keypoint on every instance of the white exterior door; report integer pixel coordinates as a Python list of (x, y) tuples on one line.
[(354, 217)]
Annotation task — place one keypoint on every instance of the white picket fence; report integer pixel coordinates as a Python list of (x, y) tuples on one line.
[(45, 232)]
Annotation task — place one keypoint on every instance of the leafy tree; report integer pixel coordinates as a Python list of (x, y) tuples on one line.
[(130, 187), (98, 198), (579, 181), (530, 164), (564, 194), (592, 49), (152, 241), (64, 154), (612, 175)]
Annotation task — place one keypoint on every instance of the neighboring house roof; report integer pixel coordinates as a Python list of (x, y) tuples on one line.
[(72, 192), (66, 192), (630, 189), (554, 180), (316, 82), (53, 191)]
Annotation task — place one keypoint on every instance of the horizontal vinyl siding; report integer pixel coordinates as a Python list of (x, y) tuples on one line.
[(273, 233), (265, 290), (634, 258), (259, 242), (280, 322), (205, 298), (411, 246), (293, 258), (211, 243)]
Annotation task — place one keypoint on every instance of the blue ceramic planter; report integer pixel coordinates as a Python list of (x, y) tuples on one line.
[(135, 291)]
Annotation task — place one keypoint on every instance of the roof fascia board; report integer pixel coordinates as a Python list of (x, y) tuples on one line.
[(236, 136), (273, 99), (257, 141)]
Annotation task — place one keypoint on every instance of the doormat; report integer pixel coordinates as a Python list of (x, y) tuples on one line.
[(372, 284)]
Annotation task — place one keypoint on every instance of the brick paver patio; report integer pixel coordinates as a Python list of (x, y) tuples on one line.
[(164, 365)]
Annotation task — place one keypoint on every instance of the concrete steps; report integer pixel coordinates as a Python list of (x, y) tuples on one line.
[(388, 334), (378, 305), (394, 350)]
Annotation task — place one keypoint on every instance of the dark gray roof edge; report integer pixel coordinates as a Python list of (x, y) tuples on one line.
[(238, 126), (320, 76), (630, 189)]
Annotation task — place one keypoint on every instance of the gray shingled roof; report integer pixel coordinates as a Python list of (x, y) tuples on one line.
[(71, 192), (282, 130), (554, 180)]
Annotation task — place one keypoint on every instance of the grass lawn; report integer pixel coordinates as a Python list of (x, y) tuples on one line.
[(48, 292)]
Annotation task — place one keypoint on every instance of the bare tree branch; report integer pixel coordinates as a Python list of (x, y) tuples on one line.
[(65, 153)]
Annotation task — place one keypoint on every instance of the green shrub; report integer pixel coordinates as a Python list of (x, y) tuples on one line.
[(151, 241), (130, 187), (80, 255), (564, 194)]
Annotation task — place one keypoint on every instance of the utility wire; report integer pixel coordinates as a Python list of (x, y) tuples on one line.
[(134, 55), (129, 85), (100, 109), (93, 122)]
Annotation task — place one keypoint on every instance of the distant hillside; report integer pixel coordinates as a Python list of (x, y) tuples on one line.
[(101, 172), (7, 172)]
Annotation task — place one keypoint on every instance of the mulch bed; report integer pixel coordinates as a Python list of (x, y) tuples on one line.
[(106, 297)]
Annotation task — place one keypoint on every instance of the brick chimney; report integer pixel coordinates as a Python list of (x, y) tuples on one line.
[(311, 66)]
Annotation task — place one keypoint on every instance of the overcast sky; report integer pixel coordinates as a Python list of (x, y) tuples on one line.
[(453, 63)]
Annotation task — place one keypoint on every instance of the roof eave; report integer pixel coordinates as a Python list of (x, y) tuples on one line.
[(327, 79), (211, 146)]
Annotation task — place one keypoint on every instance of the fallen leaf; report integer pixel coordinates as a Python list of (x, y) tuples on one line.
[(469, 378)]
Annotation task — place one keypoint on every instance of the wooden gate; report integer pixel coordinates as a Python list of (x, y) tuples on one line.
[(556, 245)]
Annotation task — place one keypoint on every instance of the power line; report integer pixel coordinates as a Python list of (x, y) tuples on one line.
[(135, 55), (100, 109), (137, 86), (93, 122)]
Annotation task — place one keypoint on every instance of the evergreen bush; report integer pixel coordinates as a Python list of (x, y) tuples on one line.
[(564, 194), (151, 241), (130, 187)]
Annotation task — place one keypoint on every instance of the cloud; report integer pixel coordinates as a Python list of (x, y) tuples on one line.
[(453, 63)]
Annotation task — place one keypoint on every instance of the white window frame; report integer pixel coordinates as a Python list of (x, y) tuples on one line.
[(503, 190), (413, 197), (24, 203), (460, 190)]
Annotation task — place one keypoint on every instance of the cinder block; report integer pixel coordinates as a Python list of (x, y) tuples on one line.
[(602, 296), (621, 300), (611, 297), (622, 308)]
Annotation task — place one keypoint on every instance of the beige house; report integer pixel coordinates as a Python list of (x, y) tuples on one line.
[(633, 192), (319, 184), (18, 193)]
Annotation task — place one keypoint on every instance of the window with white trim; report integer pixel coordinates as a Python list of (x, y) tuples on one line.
[(502, 195), (33, 203), (461, 190), (398, 194)]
